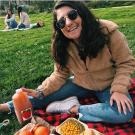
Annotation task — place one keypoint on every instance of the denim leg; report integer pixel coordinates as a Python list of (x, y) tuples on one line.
[(13, 24), (8, 23), (21, 26), (69, 89), (103, 112)]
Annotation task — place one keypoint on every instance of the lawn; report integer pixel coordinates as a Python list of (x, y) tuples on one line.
[(25, 58)]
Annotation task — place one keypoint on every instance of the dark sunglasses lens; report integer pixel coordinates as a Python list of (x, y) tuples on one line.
[(72, 14), (61, 23)]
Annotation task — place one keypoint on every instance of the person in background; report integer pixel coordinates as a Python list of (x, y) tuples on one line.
[(37, 25), (24, 19), (97, 55), (10, 21)]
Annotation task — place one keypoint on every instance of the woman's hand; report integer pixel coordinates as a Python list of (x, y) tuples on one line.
[(30, 92), (122, 101)]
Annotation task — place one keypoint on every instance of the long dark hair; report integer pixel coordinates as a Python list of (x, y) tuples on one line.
[(92, 39), (19, 10), (8, 15)]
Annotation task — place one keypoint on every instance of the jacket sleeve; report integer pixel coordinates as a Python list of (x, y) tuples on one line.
[(125, 63), (54, 81)]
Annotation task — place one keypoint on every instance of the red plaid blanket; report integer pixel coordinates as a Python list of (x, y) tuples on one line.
[(107, 129)]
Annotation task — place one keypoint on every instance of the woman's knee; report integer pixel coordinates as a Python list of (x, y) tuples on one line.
[(130, 116), (126, 118), (21, 26)]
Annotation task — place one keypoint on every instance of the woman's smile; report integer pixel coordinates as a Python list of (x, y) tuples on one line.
[(72, 28)]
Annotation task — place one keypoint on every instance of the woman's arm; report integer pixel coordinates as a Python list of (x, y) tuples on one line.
[(55, 81), (125, 63), (10, 19)]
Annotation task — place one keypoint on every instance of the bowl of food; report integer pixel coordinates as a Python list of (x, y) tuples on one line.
[(71, 126)]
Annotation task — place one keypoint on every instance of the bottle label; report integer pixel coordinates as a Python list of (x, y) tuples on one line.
[(26, 114)]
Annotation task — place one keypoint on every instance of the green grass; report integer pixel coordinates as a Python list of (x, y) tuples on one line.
[(124, 17), (25, 58)]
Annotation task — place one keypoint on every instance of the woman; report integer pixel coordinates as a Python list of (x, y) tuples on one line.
[(37, 25), (24, 19), (10, 21), (96, 53)]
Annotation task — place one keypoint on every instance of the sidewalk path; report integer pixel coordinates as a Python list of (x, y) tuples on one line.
[(2, 17)]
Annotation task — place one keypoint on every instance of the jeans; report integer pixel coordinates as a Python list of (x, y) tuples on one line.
[(99, 112), (21, 26), (12, 24)]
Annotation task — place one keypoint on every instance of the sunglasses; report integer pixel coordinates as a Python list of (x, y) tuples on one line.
[(72, 15)]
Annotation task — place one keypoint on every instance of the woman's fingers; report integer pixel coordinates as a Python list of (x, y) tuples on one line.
[(111, 101), (30, 92), (119, 106), (122, 101), (124, 107), (129, 105), (27, 90)]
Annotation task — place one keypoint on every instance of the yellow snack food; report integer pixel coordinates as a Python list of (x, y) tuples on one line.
[(71, 127)]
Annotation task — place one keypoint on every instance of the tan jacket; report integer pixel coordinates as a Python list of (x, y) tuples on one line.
[(98, 73)]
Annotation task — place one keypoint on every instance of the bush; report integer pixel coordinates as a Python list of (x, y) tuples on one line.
[(33, 10), (2, 12)]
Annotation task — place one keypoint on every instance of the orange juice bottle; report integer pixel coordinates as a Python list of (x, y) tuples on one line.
[(23, 106)]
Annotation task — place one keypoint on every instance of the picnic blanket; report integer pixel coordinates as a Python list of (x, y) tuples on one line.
[(16, 29), (105, 128)]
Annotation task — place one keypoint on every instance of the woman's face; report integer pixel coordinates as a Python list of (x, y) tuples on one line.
[(73, 27), (9, 12)]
